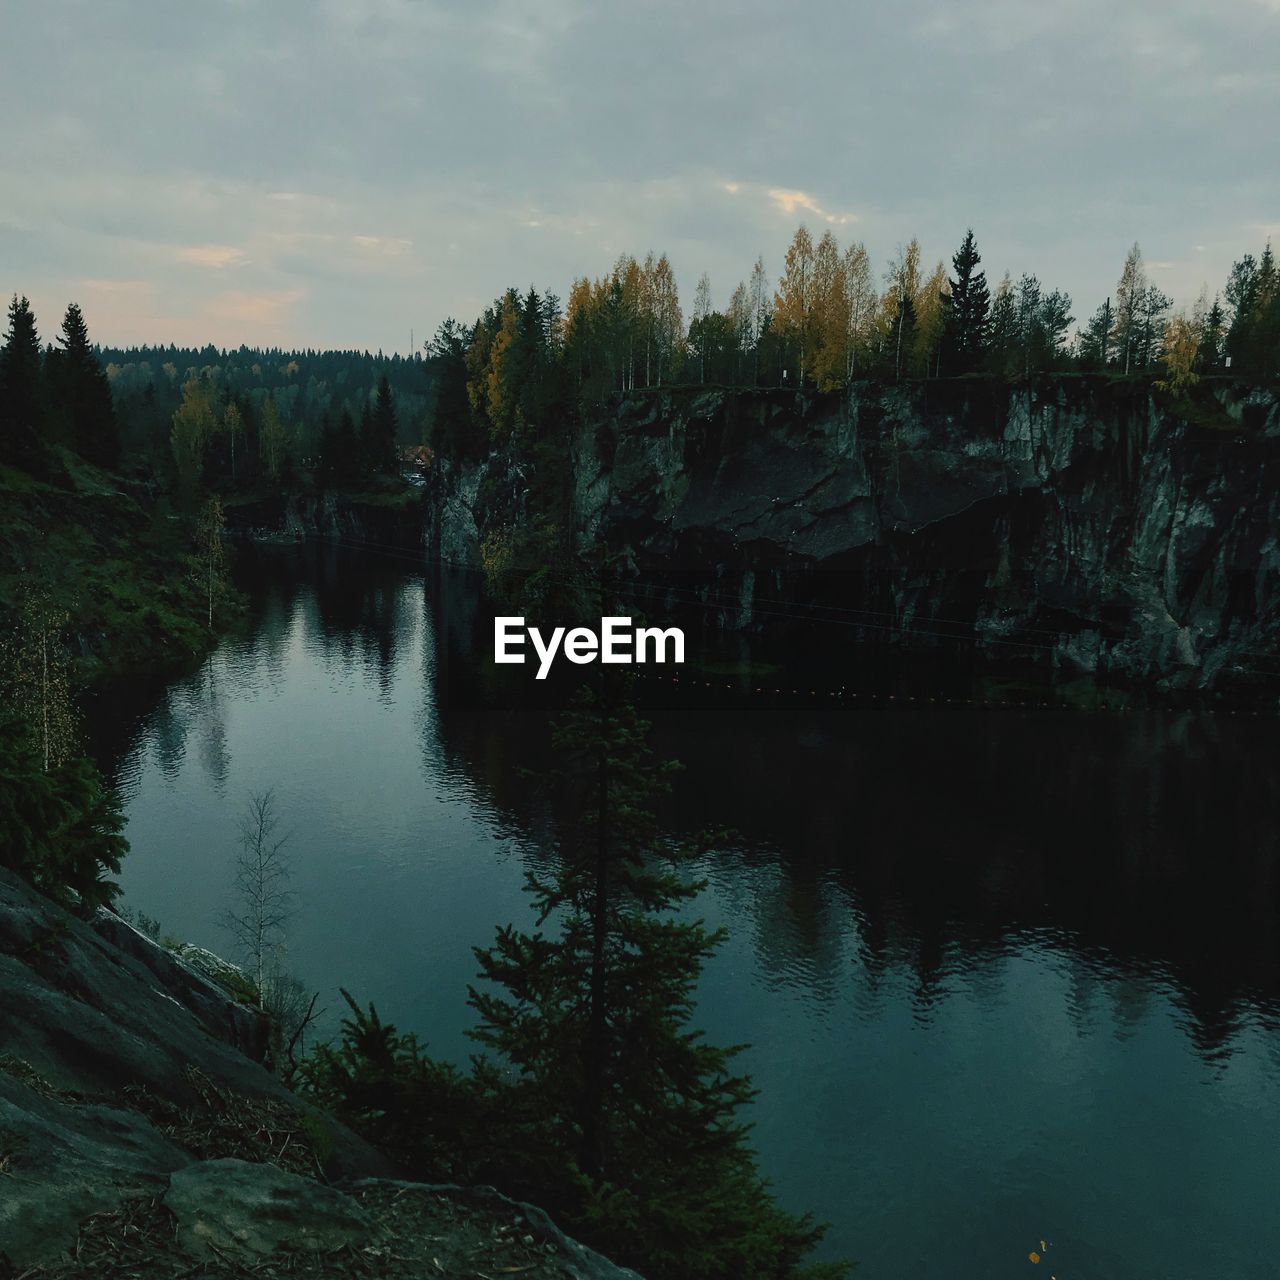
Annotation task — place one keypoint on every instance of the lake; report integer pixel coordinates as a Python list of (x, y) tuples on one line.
[(1009, 974)]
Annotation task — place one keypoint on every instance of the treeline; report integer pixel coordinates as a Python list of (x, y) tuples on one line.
[(826, 322), (250, 418), (203, 418)]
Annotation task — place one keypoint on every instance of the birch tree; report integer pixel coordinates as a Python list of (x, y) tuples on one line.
[(263, 901), (793, 302)]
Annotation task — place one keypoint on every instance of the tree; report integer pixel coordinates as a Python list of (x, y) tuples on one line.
[(1152, 306), (594, 1016), (193, 424), (233, 425), (668, 326), (932, 308), (1179, 355), (1212, 334), (59, 825), (263, 901), (970, 308), (793, 302), (21, 387), (452, 432), (35, 679), (210, 567), (899, 306), (273, 439), (701, 311), (1002, 344), (758, 299), (740, 327), (1095, 341), (82, 394), (384, 427), (1131, 293), (830, 322), (859, 308)]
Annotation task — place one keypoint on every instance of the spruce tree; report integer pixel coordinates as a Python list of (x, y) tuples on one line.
[(1095, 341), (637, 1117), (82, 394), (384, 454), (21, 388), (1212, 331), (969, 310)]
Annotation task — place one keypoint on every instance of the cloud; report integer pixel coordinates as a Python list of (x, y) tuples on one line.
[(256, 312), (382, 246), (789, 201), (216, 256)]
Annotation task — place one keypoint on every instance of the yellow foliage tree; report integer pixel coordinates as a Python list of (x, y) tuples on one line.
[(1178, 355), (793, 302)]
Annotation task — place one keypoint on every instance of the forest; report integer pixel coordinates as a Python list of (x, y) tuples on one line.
[(118, 468)]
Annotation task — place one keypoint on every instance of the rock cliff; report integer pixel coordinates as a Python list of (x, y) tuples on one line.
[(1087, 524)]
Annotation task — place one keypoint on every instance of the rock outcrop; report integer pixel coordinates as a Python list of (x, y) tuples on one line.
[(1087, 523), (129, 1110)]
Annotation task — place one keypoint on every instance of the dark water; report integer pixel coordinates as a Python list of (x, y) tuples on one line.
[(1008, 975)]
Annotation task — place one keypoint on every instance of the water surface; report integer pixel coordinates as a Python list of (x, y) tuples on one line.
[(1008, 975)]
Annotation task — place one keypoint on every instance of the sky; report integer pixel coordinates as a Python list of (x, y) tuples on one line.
[(346, 173)]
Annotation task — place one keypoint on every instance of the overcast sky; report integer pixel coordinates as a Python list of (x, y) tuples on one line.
[(335, 173)]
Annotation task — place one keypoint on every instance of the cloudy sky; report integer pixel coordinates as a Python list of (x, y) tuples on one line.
[(339, 172)]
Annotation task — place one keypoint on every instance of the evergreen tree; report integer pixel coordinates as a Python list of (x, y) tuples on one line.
[(326, 454), (595, 1014), (21, 388), (969, 310), (1095, 341), (346, 452), (1212, 336), (1002, 342), (384, 449), (82, 394), (452, 431)]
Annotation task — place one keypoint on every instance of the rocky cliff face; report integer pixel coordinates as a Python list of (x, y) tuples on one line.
[(1084, 524), (138, 1137)]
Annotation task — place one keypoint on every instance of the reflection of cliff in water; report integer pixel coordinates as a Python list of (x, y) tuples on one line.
[(1141, 847), (1140, 850)]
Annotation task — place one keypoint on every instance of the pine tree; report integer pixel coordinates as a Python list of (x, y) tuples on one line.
[(384, 450), (21, 388), (969, 310), (1002, 342), (82, 394), (1212, 335), (594, 1016), (1095, 341)]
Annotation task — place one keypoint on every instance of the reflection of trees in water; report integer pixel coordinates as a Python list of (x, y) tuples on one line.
[(1142, 845), (213, 753), (1140, 851), (365, 607)]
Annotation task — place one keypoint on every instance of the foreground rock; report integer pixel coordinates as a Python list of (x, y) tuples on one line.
[(136, 1141), (247, 1209), (109, 1082)]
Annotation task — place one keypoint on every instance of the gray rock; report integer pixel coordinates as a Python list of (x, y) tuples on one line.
[(579, 1262), (65, 1160), (191, 978), (1079, 519), (253, 1209)]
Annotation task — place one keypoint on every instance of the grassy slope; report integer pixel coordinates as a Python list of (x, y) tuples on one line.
[(118, 570)]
